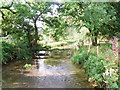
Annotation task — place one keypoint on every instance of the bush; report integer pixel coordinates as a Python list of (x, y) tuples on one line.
[(22, 50), (94, 69), (19, 50), (105, 47), (94, 65), (80, 58), (101, 69), (7, 52)]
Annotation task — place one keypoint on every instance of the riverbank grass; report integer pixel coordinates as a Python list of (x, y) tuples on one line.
[(102, 68)]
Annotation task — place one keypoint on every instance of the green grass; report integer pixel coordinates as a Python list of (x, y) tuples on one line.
[(55, 44)]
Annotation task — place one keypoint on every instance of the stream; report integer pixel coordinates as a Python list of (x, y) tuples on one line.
[(50, 69)]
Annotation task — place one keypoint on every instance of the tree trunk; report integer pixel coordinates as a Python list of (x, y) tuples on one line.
[(36, 34), (29, 39), (94, 41)]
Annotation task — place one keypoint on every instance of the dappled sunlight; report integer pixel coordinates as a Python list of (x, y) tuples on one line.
[(60, 44), (46, 72)]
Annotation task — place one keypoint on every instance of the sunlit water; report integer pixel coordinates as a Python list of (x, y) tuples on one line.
[(57, 71)]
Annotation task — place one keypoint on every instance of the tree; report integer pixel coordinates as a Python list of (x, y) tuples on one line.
[(23, 23), (15, 34), (116, 25), (56, 28), (37, 12), (6, 8), (32, 12), (95, 16)]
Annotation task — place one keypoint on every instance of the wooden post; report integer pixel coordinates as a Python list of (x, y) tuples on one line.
[(97, 50), (89, 45), (118, 52)]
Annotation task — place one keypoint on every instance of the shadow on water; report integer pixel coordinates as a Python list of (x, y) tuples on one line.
[(53, 63), (57, 71)]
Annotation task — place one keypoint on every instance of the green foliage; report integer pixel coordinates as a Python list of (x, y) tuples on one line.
[(112, 81), (80, 58), (7, 52), (27, 16), (19, 33), (18, 50), (107, 45), (22, 50), (27, 65), (56, 28), (99, 18), (99, 68), (94, 65)]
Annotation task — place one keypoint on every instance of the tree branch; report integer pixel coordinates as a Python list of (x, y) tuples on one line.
[(8, 7), (2, 14)]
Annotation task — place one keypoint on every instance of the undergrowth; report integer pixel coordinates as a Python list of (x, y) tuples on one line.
[(102, 69)]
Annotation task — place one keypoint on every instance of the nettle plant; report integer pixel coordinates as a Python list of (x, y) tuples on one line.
[(111, 73)]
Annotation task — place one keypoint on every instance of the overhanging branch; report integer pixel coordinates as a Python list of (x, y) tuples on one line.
[(2, 14), (7, 8)]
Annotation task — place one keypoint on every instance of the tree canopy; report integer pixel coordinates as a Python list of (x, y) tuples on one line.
[(21, 22), (97, 17)]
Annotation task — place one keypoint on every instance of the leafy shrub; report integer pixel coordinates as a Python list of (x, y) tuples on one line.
[(101, 69), (105, 47), (80, 58), (94, 68), (20, 50), (82, 49), (27, 65), (7, 52), (94, 65)]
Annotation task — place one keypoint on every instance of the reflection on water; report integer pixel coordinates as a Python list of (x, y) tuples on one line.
[(41, 65), (45, 73)]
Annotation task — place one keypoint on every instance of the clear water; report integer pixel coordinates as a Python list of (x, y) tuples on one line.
[(56, 71)]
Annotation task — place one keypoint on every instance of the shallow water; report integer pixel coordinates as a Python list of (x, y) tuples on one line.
[(56, 71)]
